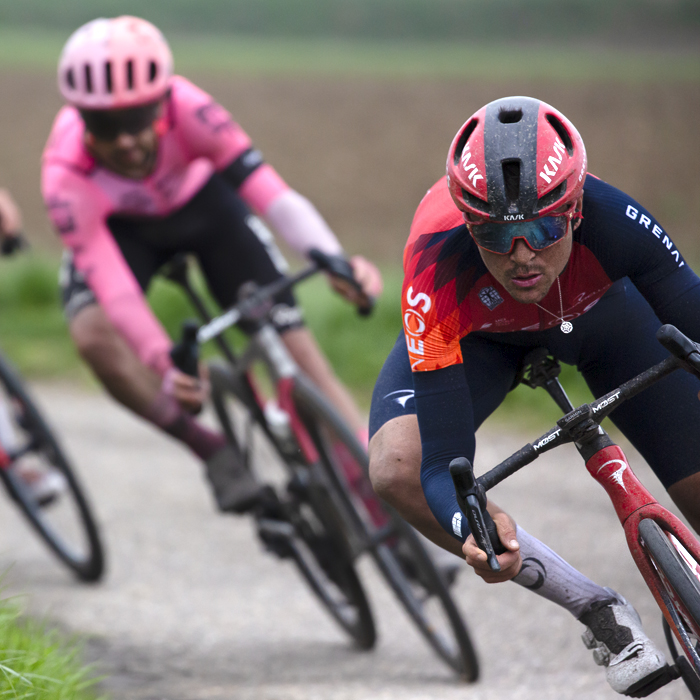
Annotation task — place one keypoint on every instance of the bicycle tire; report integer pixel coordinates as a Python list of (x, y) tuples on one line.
[(318, 547), (680, 584), (423, 592), (67, 526)]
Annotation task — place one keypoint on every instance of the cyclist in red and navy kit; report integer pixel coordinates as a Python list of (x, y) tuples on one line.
[(518, 247), (142, 165)]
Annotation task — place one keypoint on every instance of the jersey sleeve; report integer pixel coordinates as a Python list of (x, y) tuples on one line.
[(78, 212)]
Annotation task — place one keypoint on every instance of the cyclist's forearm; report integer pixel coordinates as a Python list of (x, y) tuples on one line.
[(301, 225)]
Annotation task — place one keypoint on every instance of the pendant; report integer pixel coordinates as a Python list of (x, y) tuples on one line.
[(566, 327)]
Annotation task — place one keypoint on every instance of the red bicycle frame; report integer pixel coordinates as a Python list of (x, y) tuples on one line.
[(633, 503)]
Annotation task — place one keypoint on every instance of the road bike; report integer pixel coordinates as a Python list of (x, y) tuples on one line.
[(663, 548), (280, 421), (30, 448)]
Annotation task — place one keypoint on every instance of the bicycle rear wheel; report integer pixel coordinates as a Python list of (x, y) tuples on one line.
[(65, 523), (679, 573), (302, 523), (397, 550)]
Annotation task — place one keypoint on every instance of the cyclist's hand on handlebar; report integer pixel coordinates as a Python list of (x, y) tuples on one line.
[(510, 560), (190, 392), (367, 278)]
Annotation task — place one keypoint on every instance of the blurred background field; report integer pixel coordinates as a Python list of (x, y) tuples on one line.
[(355, 103)]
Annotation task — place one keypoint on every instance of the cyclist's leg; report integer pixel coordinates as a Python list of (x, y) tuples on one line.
[(662, 421), (118, 368)]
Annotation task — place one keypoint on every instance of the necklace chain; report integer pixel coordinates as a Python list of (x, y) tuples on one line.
[(565, 326)]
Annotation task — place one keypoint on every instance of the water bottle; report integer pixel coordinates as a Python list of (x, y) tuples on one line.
[(281, 427)]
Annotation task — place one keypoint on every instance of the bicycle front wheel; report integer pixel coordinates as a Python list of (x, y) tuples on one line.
[(400, 555), (679, 574), (65, 523), (302, 523)]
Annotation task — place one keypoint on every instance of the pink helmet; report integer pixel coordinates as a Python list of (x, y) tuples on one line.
[(114, 64)]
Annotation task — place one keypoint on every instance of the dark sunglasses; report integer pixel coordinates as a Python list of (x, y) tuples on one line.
[(108, 124), (538, 234)]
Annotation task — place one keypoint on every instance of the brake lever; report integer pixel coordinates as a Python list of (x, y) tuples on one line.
[(682, 347), (471, 498), (339, 266)]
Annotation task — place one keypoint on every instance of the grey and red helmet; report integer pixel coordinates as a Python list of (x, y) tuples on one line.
[(515, 159)]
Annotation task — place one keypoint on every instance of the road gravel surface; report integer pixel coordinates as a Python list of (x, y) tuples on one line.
[(192, 608)]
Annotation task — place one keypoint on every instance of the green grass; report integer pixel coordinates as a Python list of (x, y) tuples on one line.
[(36, 663), (24, 48)]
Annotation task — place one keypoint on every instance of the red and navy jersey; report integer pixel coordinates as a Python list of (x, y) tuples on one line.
[(448, 292)]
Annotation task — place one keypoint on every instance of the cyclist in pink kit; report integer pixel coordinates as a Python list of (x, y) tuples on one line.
[(140, 166)]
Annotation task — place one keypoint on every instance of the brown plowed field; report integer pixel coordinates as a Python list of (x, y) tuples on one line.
[(365, 151)]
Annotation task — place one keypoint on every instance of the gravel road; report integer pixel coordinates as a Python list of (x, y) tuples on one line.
[(192, 608)]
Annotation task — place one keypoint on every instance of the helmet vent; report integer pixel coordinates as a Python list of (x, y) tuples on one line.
[(511, 179), (475, 202), (463, 138), (551, 196), (88, 78), (562, 133), (152, 71), (108, 76), (130, 75), (509, 116), (70, 79)]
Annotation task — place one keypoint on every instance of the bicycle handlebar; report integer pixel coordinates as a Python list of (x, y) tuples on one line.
[(579, 424), (254, 306)]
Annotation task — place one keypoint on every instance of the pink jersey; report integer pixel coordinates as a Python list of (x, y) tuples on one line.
[(80, 195)]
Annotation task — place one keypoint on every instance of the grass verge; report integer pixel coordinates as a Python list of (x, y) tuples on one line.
[(36, 663), (35, 48)]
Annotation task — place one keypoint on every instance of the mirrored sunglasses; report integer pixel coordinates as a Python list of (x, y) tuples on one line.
[(108, 124), (538, 234)]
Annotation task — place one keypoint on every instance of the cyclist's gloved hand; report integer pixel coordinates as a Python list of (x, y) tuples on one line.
[(510, 561), (367, 283), (190, 392)]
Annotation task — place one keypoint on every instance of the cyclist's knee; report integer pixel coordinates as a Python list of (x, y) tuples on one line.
[(394, 458), (98, 342)]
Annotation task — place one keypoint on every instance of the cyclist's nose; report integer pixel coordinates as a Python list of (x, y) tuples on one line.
[(125, 140), (521, 252)]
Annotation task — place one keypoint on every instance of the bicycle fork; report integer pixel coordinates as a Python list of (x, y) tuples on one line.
[(633, 503)]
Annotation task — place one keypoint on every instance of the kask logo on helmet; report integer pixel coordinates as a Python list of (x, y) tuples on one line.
[(555, 161), (474, 175)]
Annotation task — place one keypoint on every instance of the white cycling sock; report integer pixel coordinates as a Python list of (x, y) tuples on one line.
[(544, 572)]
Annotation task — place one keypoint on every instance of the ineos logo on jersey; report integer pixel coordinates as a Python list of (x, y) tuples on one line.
[(555, 161), (414, 323), (474, 175), (644, 220)]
